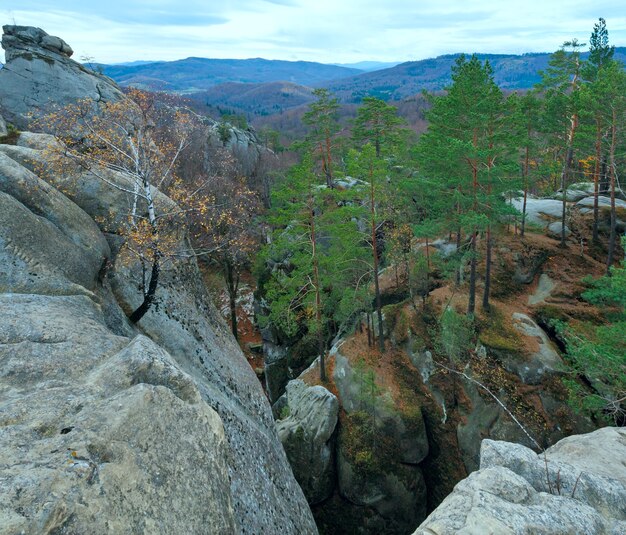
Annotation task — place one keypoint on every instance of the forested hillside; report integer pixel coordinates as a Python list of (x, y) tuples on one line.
[(480, 263)]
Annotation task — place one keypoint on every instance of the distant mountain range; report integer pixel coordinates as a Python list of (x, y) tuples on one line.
[(262, 87), (197, 74)]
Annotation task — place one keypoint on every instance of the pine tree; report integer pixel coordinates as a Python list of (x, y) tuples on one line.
[(317, 254), (611, 83), (365, 164), (377, 123), (561, 83), (461, 150), (526, 111), (600, 55), (322, 118)]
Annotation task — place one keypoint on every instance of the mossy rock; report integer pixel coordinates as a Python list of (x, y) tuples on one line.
[(496, 333), (12, 136)]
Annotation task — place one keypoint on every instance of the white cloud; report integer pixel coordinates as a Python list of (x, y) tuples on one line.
[(325, 30)]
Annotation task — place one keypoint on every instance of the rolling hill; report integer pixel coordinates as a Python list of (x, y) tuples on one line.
[(197, 74), (257, 99), (510, 72)]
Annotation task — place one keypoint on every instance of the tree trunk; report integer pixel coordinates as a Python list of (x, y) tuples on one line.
[(329, 162), (232, 284), (318, 301), (381, 338), (565, 174), (487, 289), (149, 295), (526, 164), (458, 250), (612, 235), (596, 178), (604, 181), (471, 304)]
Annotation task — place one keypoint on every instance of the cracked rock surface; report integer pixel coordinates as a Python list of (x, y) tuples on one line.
[(578, 487), (107, 427)]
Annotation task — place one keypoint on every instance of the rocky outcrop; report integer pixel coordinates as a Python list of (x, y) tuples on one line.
[(39, 75), (585, 206), (306, 428), (379, 450), (543, 358), (54, 248), (579, 486), (3, 127), (106, 427)]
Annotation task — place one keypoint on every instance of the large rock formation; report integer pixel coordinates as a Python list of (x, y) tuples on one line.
[(40, 74), (578, 486), (109, 427), (51, 247)]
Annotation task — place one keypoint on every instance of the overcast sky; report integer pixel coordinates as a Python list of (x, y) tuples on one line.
[(337, 31)]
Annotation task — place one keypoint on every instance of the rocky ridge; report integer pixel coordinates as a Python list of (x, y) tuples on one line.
[(39, 74)]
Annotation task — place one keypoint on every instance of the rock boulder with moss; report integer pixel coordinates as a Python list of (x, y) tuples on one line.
[(306, 430)]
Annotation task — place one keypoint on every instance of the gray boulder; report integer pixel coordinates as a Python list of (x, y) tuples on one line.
[(578, 487), (445, 247), (554, 230), (576, 192), (39, 75), (540, 212), (305, 432), (585, 206)]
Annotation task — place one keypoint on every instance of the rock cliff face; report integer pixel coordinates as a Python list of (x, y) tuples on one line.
[(579, 487), (39, 74), (108, 427)]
